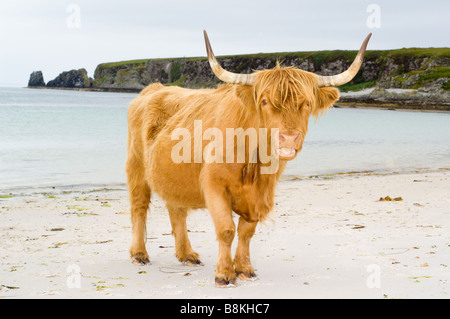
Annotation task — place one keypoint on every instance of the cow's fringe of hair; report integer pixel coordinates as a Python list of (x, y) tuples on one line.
[(289, 87)]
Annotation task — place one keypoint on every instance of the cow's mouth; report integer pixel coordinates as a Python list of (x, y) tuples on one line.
[(286, 152)]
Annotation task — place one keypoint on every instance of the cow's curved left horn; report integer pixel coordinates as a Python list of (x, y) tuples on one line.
[(349, 74), (226, 76)]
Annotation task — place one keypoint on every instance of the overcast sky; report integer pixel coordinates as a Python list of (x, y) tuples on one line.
[(59, 35)]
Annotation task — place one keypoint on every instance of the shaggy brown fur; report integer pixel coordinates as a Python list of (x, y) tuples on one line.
[(282, 98)]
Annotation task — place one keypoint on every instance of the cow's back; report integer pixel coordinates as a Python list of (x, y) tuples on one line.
[(147, 115)]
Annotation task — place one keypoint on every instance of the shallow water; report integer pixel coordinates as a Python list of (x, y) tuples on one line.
[(54, 138), (380, 140)]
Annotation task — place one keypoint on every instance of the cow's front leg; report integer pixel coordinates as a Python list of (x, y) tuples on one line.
[(220, 208), (243, 267)]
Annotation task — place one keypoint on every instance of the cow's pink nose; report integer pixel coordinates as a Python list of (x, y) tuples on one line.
[(289, 139)]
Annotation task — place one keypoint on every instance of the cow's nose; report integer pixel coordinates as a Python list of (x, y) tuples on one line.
[(289, 138)]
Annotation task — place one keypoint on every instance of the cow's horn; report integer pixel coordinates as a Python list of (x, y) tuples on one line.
[(228, 77), (349, 74)]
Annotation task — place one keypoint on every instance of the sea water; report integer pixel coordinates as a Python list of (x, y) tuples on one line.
[(59, 137), (51, 138)]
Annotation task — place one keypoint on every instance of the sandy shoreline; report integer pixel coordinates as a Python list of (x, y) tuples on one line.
[(329, 237)]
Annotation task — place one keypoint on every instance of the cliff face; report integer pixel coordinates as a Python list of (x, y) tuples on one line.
[(404, 68), (192, 73)]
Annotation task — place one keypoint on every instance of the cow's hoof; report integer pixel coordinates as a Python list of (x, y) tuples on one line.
[(247, 276), (223, 283), (140, 260), (193, 262)]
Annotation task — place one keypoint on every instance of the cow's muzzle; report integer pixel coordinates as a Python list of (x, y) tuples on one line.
[(289, 145)]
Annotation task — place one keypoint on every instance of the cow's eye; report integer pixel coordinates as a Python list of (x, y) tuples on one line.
[(264, 102)]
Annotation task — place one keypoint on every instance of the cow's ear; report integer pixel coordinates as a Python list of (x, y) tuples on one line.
[(325, 98), (245, 93)]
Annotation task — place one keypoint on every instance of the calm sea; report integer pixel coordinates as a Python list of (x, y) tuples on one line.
[(70, 138)]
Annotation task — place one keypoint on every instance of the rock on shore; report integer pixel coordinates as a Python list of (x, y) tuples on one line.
[(421, 99)]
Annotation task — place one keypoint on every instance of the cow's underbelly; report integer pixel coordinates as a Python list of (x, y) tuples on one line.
[(175, 183)]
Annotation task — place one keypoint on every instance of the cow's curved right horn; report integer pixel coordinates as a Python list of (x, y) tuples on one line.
[(226, 76), (347, 75)]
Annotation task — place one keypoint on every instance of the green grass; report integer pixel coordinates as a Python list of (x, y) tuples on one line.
[(434, 74), (419, 52), (179, 82), (123, 63), (176, 71), (356, 87), (425, 76)]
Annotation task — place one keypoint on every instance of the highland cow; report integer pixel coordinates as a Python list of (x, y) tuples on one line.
[(222, 170)]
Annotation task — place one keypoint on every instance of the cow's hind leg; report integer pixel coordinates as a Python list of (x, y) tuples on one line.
[(139, 193), (183, 249), (242, 265)]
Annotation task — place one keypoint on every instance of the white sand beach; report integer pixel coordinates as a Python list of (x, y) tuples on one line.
[(328, 237)]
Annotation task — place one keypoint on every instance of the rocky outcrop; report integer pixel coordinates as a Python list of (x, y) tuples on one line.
[(36, 79), (136, 75), (71, 79), (398, 99)]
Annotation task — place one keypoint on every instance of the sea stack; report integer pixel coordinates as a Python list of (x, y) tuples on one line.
[(36, 79)]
